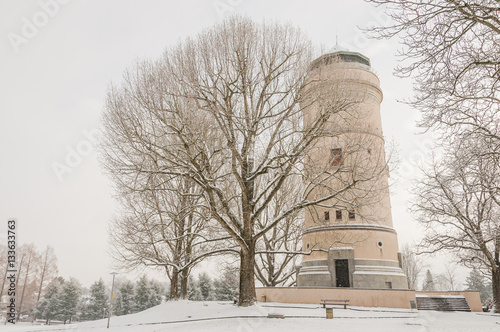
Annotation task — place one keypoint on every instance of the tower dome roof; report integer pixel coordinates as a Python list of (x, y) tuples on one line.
[(337, 48), (342, 54)]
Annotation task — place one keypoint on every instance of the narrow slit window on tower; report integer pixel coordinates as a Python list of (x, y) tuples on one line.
[(327, 215), (336, 158), (338, 214), (352, 215)]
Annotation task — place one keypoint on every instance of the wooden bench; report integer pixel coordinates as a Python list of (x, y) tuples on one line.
[(326, 302)]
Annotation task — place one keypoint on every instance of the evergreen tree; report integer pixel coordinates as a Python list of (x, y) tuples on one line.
[(155, 294), (194, 293), (49, 306), (226, 288), (96, 307), (124, 303), (206, 287), (141, 296), (68, 300), (428, 282), (83, 305), (476, 282)]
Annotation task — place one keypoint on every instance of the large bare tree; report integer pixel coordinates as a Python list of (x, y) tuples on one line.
[(457, 201), (225, 110), (451, 49)]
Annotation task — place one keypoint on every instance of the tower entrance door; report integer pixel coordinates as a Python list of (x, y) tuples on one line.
[(342, 272)]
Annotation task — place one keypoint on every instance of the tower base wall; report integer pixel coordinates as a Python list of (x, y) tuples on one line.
[(383, 298), (352, 272)]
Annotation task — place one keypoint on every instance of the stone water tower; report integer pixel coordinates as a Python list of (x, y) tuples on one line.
[(353, 240)]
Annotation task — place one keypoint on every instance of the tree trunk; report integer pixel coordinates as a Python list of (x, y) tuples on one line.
[(24, 287), (19, 270), (187, 256), (184, 284), (495, 282), (42, 277), (174, 288), (3, 281), (247, 276)]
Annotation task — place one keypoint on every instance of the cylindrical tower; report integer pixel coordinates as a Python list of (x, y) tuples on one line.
[(352, 237)]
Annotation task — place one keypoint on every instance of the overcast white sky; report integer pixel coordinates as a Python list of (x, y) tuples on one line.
[(56, 63)]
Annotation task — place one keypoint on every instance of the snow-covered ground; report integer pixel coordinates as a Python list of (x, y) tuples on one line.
[(220, 316)]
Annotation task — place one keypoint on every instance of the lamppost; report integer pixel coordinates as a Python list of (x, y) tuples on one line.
[(111, 296)]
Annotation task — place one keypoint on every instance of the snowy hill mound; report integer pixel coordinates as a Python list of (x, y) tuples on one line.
[(224, 316)]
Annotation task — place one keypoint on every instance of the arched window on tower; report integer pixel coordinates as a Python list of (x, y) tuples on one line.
[(336, 157), (327, 215)]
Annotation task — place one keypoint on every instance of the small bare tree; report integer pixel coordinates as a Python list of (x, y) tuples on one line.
[(28, 271), (448, 280), (3, 268), (48, 269), (412, 265), (34, 270), (164, 227)]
